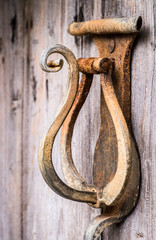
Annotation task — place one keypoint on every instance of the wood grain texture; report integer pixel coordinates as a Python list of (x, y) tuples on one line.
[(140, 225), (11, 118), (29, 98)]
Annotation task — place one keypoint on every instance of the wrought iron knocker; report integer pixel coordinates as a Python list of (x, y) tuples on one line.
[(116, 188)]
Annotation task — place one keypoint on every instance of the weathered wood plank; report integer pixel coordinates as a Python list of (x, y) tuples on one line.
[(11, 95), (140, 224)]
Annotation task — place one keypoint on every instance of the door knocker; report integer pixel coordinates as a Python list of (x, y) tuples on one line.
[(116, 170)]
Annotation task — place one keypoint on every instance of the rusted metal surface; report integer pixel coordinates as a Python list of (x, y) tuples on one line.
[(96, 226), (116, 172), (46, 146), (112, 192), (111, 45), (106, 26), (94, 65), (106, 152), (55, 64)]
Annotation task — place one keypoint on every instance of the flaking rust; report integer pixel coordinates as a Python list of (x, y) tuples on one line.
[(116, 170)]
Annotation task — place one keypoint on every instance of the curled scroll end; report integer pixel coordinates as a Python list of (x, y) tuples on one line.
[(98, 224), (51, 66)]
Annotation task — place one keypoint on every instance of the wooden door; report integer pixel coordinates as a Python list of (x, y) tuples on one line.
[(29, 210)]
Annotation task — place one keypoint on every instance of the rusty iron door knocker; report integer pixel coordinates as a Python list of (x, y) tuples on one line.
[(116, 170)]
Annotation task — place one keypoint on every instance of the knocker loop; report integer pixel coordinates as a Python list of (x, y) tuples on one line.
[(45, 153), (116, 173)]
